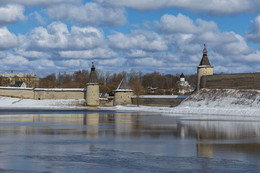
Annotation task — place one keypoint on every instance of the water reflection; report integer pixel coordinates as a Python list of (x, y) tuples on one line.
[(145, 133)]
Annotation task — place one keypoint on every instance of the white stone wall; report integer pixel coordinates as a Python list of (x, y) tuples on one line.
[(26, 93), (40, 94), (203, 71), (93, 95)]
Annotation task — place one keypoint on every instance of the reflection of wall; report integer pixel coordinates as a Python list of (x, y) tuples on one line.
[(205, 150), (92, 122), (123, 123)]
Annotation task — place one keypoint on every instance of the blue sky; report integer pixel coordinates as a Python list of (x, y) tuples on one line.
[(51, 36)]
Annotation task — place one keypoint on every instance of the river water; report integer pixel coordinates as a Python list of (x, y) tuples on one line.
[(91, 141)]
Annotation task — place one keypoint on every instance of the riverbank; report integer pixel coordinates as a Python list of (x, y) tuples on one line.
[(205, 102)]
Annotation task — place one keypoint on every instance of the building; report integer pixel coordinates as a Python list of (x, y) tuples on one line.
[(92, 88), (123, 94), (183, 86), (29, 80), (204, 68)]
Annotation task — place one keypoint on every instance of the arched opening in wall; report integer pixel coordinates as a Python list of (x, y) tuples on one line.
[(39, 98)]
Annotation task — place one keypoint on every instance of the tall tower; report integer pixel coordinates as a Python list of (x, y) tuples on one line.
[(93, 88), (204, 68)]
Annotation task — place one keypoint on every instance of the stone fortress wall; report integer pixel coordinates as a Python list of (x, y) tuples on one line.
[(206, 78), (231, 81), (41, 93)]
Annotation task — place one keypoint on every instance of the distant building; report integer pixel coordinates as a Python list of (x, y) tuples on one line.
[(29, 80), (183, 86), (20, 84)]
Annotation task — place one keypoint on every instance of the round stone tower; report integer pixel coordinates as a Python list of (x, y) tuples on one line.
[(123, 94), (204, 68), (93, 88)]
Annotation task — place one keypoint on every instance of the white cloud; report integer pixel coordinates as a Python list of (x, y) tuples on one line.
[(32, 54), (150, 62), (179, 23), (138, 39), (73, 63), (254, 34), (89, 54), (7, 39), (38, 2), (39, 18), (253, 57), (189, 37), (112, 62), (43, 64), (11, 14), (58, 37), (214, 7), (90, 13), (135, 53), (82, 38), (14, 60)]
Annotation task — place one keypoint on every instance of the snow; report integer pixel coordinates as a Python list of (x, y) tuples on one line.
[(59, 89), (44, 89), (205, 104), (162, 96), (216, 103), (8, 102), (16, 88), (123, 90)]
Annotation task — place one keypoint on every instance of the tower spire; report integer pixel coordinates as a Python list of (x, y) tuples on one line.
[(205, 50), (93, 67), (204, 60)]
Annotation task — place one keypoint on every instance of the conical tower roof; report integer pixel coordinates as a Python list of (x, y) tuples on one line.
[(93, 75), (182, 76), (123, 86), (205, 60)]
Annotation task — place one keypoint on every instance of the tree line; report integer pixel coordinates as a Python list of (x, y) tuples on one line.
[(138, 81)]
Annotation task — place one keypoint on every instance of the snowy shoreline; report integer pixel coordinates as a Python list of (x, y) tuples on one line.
[(205, 102)]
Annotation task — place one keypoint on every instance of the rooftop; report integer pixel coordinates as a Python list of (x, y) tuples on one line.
[(205, 61)]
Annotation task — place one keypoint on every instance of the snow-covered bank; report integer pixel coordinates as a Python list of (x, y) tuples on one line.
[(210, 102), (8, 102), (201, 104)]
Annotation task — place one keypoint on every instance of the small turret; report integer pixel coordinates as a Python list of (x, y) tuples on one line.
[(93, 88), (204, 68), (123, 94)]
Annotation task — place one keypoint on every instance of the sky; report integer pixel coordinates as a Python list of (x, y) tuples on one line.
[(166, 36)]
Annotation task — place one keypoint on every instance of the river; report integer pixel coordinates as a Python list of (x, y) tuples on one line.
[(106, 141)]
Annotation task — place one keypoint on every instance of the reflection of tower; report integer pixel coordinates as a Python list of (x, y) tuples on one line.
[(204, 68), (92, 88), (123, 123), (92, 122), (203, 150)]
